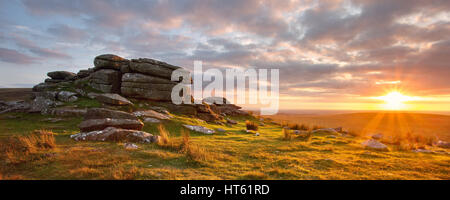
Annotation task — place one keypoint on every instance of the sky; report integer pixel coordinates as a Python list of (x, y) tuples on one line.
[(335, 54)]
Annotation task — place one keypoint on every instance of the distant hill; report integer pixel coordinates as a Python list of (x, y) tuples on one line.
[(15, 94), (377, 122)]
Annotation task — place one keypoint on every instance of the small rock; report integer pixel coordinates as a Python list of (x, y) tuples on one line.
[(331, 136), (422, 151), (256, 134), (151, 120), (230, 121), (338, 129), (200, 129), (375, 145), (130, 146), (221, 130)]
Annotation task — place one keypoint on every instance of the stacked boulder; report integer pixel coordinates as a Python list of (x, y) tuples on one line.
[(60, 76), (141, 78), (107, 73)]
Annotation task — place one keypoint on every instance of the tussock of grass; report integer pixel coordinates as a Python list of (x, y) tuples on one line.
[(251, 126), (184, 145), (287, 134), (302, 127), (17, 149)]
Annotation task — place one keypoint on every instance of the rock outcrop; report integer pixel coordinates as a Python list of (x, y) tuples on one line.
[(141, 78), (116, 81)]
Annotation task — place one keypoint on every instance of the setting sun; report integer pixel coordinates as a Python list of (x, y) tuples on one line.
[(395, 100)]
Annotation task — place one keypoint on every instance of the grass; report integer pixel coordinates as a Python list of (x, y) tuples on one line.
[(191, 155), (251, 125)]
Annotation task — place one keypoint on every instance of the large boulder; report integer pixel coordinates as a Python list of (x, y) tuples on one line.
[(100, 124), (100, 118), (141, 78), (61, 75), (106, 80), (150, 94), (66, 112), (110, 61), (113, 99), (116, 135), (152, 67)]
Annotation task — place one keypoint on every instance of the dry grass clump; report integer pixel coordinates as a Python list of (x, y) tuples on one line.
[(183, 145), (301, 127), (305, 136), (409, 141), (20, 149), (251, 125), (287, 134), (164, 136)]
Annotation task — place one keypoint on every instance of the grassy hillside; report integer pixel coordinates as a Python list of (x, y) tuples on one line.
[(388, 123), (231, 155)]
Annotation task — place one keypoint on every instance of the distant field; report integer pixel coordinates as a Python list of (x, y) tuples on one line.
[(14, 94), (377, 122)]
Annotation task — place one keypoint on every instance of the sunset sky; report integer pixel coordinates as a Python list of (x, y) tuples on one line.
[(331, 54)]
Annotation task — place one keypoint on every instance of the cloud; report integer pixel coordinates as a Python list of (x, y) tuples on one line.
[(13, 56), (68, 33), (321, 47)]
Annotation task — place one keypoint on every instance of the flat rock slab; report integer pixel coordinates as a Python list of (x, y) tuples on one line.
[(100, 124), (152, 114), (116, 135), (67, 112), (113, 99), (151, 120), (61, 75), (200, 129)]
